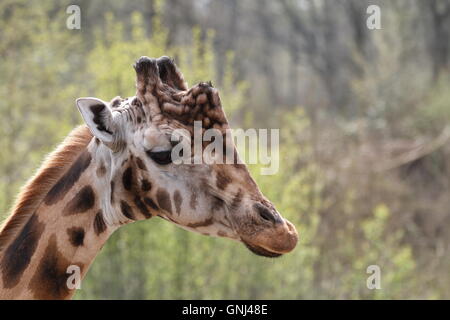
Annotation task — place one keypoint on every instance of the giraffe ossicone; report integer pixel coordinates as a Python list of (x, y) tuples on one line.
[(118, 169)]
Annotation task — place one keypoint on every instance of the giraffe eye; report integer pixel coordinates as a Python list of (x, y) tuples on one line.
[(161, 157)]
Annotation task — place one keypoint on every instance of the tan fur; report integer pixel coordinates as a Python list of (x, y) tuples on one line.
[(31, 195)]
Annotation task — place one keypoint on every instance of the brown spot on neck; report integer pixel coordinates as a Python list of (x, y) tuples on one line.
[(149, 202), (112, 191), (164, 202), (76, 236), (50, 279), (127, 211), (99, 223), (142, 207), (67, 181), (82, 202), (178, 199), (127, 179), (146, 185), (101, 170), (18, 255)]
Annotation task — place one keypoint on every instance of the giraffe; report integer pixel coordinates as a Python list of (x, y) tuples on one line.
[(117, 169)]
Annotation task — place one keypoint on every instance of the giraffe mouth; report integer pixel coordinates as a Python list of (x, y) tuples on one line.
[(260, 251)]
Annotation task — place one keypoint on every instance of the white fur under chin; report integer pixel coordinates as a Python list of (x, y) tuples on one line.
[(113, 217)]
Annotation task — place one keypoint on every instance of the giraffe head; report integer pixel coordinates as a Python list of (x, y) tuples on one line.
[(136, 136)]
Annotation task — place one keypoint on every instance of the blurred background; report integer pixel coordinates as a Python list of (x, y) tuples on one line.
[(364, 118)]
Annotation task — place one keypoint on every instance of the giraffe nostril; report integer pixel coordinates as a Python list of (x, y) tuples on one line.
[(265, 213)]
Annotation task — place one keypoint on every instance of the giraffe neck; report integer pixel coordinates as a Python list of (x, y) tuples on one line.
[(62, 235)]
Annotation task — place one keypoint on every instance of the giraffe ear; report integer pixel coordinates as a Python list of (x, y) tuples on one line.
[(98, 117)]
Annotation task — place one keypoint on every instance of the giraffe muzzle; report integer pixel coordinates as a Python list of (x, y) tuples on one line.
[(273, 241)]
